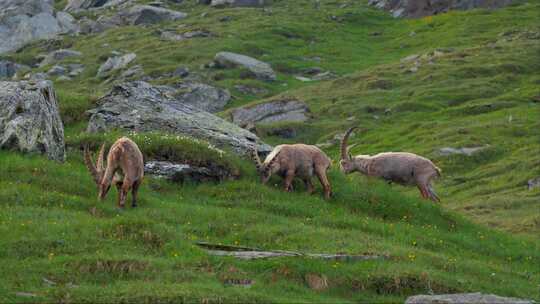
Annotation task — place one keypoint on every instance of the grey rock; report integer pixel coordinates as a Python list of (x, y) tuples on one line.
[(115, 63), (250, 90), (202, 96), (181, 72), (461, 151), (7, 69), (533, 183), (75, 69), (59, 55), (146, 14), (239, 3), (132, 72), (141, 107), (168, 35), (103, 23), (314, 74), (77, 5), (183, 172), (270, 112), (261, 69), (25, 21), (421, 8), (57, 70), (63, 78), (29, 119), (464, 298), (38, 77), (67, 23), (134, 15)]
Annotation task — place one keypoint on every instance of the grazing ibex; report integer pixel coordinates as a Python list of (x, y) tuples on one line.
[(400, 167), (125, 169), (297, 160)]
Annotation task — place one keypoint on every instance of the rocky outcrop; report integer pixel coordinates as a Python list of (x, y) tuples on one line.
[(261, 70), (75, 5), (59, 55), (464, 298), (146, 14), (9, 69), (25, 21), (239, 3), (421, 8), (29, 119), (139, 106), (183, 172), (134, 15), (115, 63), (202, 96), (270, 112)]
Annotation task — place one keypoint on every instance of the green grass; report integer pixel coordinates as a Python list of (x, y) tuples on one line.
[(479, 89), (147, 254)]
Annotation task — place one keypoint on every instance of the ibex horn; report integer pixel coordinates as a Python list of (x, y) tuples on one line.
[(344, 149)]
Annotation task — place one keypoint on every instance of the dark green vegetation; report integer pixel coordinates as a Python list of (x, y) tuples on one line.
[(481, 88)]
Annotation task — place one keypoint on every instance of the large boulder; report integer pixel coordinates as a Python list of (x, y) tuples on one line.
[(8, 69), (25, 21), (141, 107), (464, 298), (270, 112), (239, 3), (184, 172), (146, 14), (261, 70), (115, 63), (130, 15), (202, 96), (421, 8), (29, 119)]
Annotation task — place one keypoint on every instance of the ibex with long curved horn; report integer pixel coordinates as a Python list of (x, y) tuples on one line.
[(125, 169), (404, 168), (298, 160)]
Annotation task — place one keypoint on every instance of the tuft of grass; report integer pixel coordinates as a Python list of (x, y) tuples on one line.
[(166, 147)]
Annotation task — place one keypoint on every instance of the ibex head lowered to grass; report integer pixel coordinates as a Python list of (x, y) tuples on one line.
[(400, 167), (299, 160), (125, 169)]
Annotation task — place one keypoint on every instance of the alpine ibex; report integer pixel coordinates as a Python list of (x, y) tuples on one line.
[(125, 169), (297, 160), (404, 168)]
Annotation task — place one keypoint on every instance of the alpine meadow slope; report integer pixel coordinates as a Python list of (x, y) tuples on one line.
[(454, 80)]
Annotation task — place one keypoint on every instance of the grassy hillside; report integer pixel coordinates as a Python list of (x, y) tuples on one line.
[(476, 83), (94, 254)]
